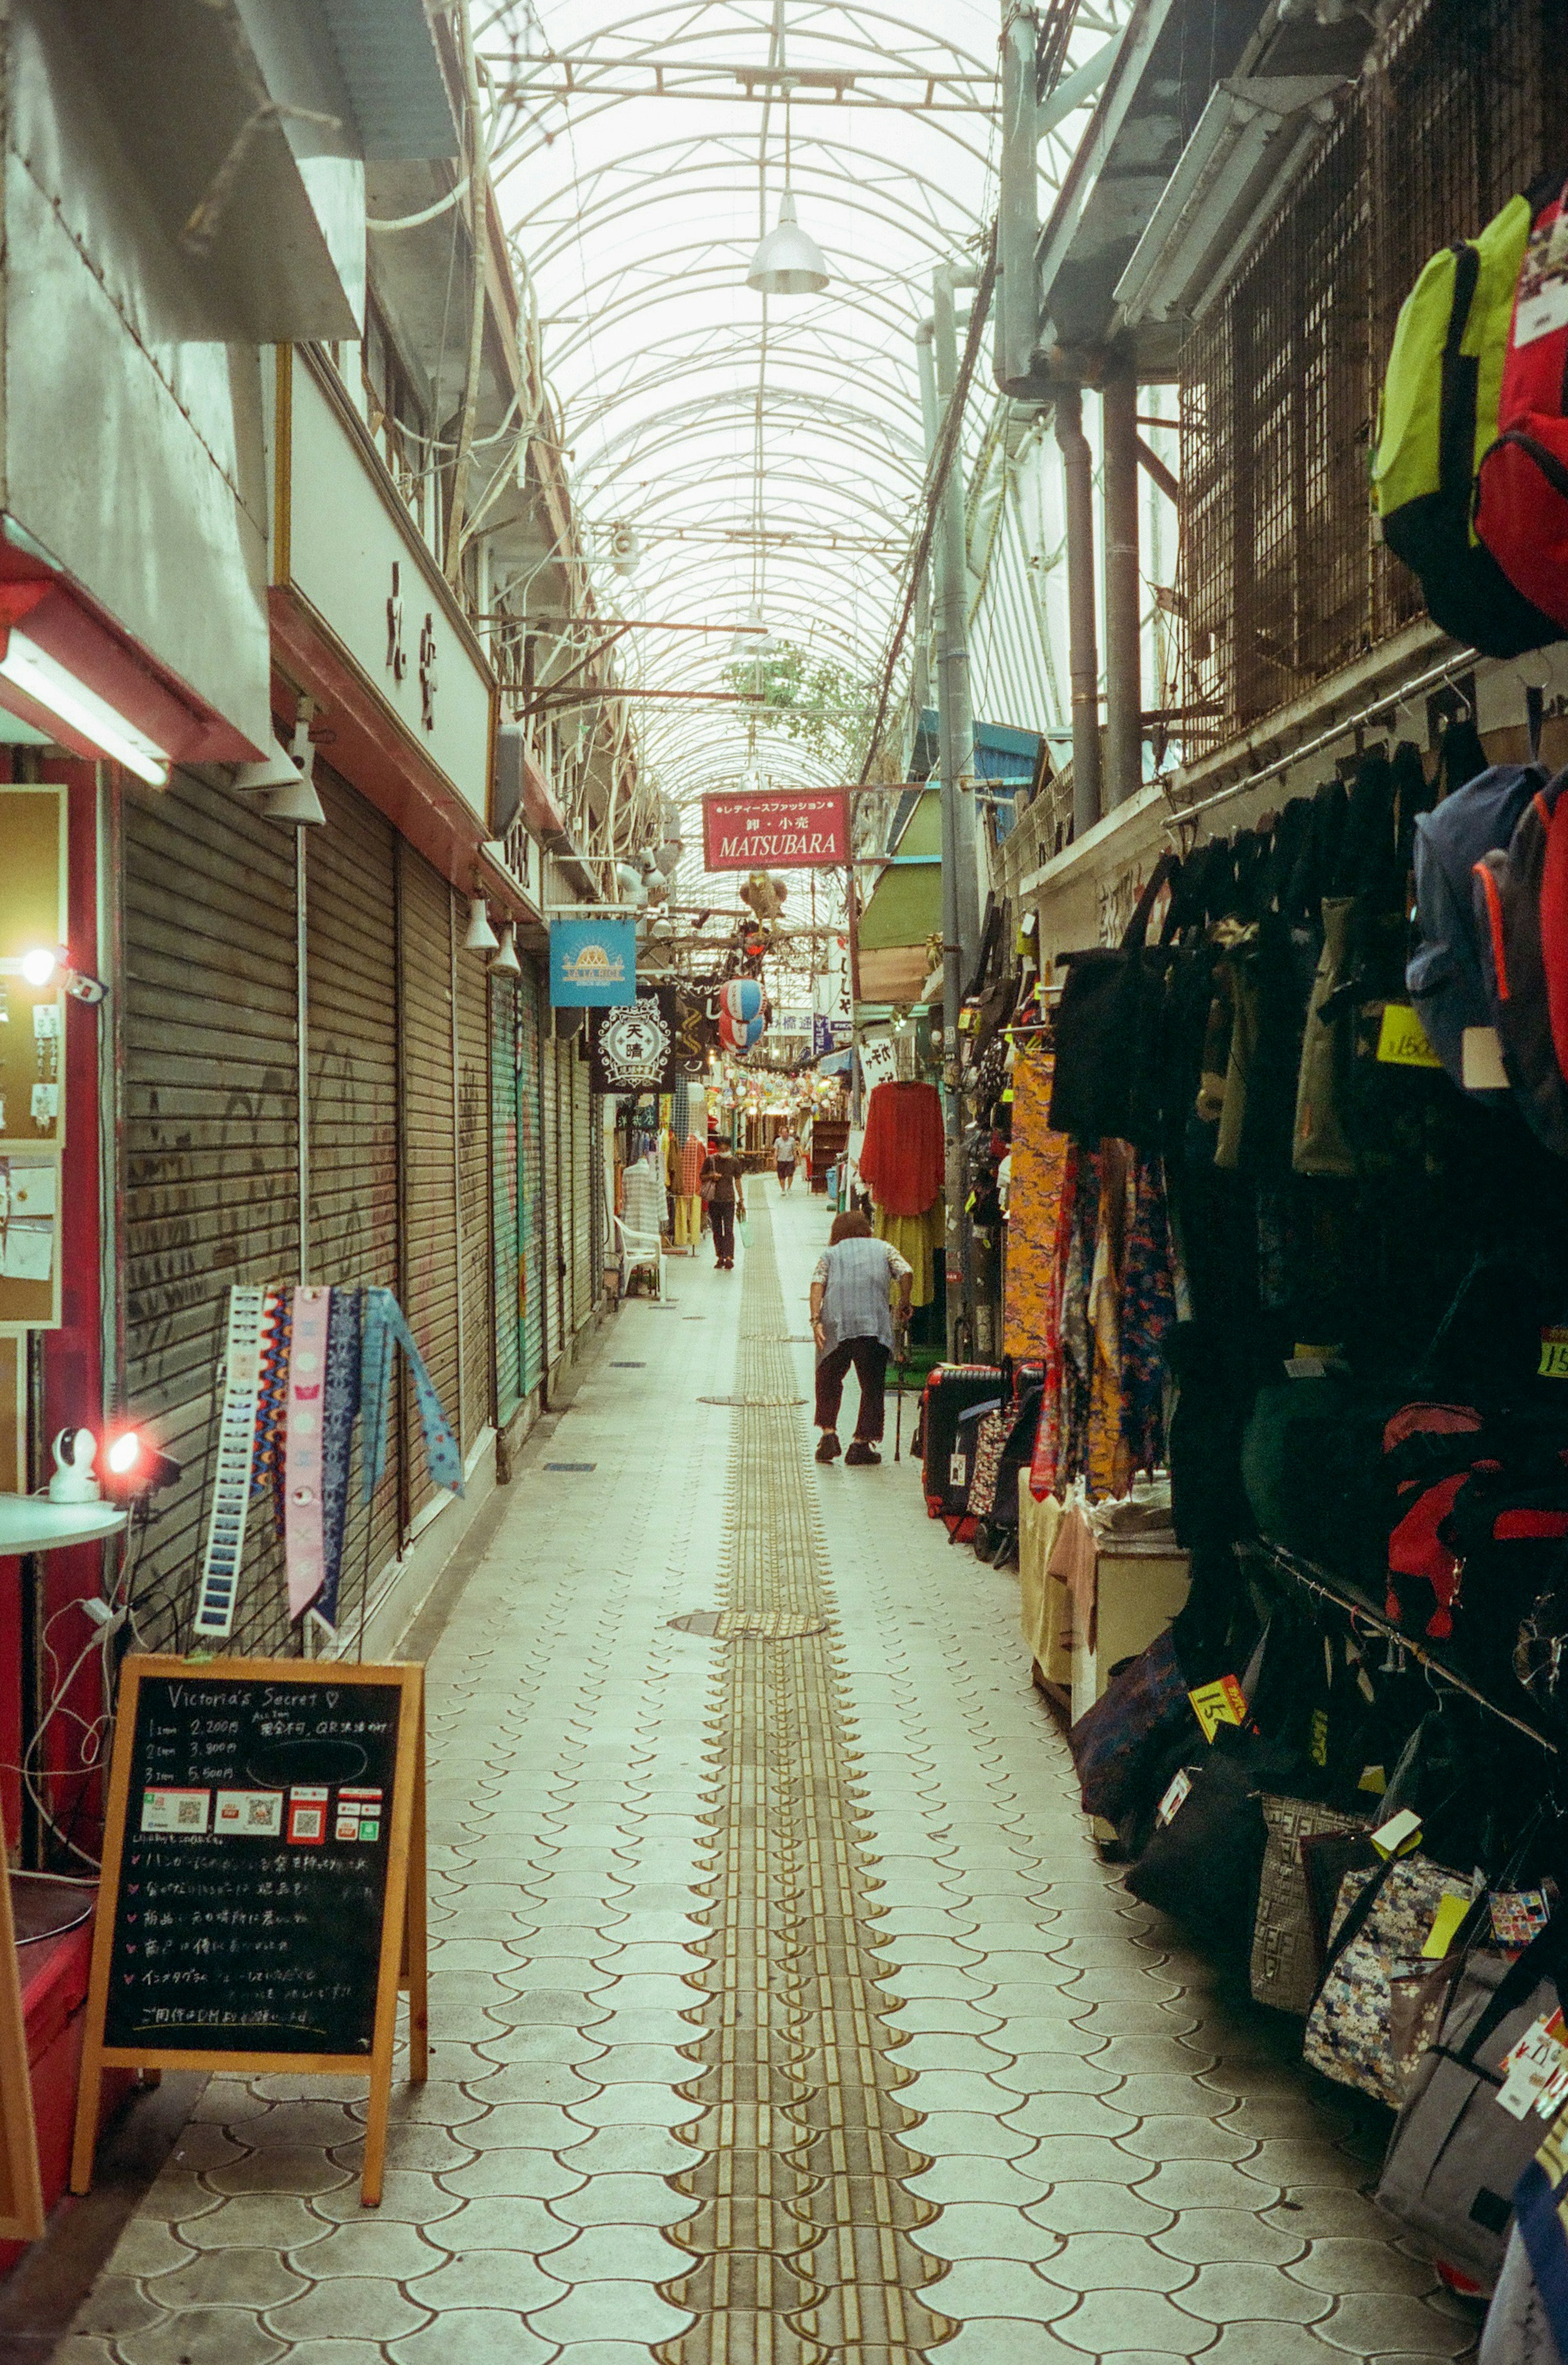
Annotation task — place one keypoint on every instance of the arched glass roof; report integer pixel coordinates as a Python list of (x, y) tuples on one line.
[(766, 452)]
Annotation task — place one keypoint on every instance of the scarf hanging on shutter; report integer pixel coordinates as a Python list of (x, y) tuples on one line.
[(384, 1327), (266, 1463), (303, 1538), (340, 1410)]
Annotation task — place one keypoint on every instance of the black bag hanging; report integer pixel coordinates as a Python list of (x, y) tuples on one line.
[(1108, 1010)]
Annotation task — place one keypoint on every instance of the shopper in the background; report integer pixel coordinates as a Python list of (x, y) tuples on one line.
[(784, 1153), (725, 1194), (852, 1322)]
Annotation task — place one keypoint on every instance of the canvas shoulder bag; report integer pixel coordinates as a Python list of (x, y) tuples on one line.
[(1456, 2154)]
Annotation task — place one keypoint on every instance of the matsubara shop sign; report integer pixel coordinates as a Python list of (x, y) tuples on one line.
[(784, 828)]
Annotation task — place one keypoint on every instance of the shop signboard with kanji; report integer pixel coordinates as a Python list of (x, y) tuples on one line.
[(786, 829)]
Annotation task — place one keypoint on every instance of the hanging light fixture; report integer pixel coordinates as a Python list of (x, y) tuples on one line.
[(481, 937), (506, 963), (787, 261), (753, 640)]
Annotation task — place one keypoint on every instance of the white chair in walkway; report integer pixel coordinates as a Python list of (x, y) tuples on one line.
[(639, 1252)]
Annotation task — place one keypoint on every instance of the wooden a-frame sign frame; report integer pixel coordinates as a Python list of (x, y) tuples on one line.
[(402, 1961), (22, 2190)]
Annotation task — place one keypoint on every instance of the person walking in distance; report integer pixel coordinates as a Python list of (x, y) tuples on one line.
[(784, 1154), (852, 1322), (726, 1198)]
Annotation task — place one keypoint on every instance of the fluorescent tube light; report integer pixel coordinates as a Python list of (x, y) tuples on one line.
[(46, 681)]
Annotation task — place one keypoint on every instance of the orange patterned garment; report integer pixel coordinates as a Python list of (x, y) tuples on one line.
[(1039, 1163)]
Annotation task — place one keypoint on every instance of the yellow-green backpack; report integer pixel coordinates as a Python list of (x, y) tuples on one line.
[(1436, 417)]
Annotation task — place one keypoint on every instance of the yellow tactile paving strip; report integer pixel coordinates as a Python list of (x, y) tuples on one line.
[(801, 2249)]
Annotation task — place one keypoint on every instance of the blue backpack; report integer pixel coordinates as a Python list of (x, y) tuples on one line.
[(1444, 974)]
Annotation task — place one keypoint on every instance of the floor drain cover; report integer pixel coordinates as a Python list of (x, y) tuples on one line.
[(754, 1401), (749, 1625), (628, 1367), (571, 1465)]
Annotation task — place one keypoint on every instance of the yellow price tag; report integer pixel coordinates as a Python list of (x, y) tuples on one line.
[(1224, 1702), (1553, 1363), (1402, 1040), (1452, 1911)]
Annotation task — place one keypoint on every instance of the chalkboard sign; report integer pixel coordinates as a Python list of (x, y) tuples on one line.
[(263, 1874)]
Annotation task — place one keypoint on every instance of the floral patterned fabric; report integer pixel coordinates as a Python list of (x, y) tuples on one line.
[(1039, 1170), (1148, 1312)]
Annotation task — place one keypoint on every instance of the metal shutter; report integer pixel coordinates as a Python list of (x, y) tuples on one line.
[(211, 1155), (551, 1069), (506, 1212), (429, 1144), (596, 1197), (474, 1181), (532, 1015), (582, 1193), (350, 1029)]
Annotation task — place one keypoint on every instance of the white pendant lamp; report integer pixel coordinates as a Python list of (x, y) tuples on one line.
[(788, 261), (506, 963), (481, 937)]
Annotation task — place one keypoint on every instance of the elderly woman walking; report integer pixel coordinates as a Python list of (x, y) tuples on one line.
[(852, 1322)]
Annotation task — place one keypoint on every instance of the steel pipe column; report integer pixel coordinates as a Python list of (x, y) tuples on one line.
[(1124, 597), (1084, 655)]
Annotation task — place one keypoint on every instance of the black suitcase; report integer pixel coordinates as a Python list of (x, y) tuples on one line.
[(950, 1391)]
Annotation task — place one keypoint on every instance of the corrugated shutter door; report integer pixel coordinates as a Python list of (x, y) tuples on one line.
[(429, 1161), (550, 1066), (531, 1171), (351, 1017), (211, 1155), (474, 1181), (506, 1211), (582, 1193)]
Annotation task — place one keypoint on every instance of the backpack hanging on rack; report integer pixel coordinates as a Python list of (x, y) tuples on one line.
[(1520, 893), (1438, 414), (1444, 975), (1521, 511)]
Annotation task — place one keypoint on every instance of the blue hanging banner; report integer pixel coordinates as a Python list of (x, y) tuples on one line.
[(593, 963)]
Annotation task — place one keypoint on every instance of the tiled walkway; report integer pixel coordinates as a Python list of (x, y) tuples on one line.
[(782, 2010)]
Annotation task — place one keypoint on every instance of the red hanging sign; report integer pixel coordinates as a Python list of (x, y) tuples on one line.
[(783, 829)]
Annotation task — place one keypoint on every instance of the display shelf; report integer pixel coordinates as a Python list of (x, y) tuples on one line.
[(31, 1523)]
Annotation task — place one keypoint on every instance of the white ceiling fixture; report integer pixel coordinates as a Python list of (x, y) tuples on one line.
[(788, 262)]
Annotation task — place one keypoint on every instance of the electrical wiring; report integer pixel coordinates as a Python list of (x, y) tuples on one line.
[(92, 1748)]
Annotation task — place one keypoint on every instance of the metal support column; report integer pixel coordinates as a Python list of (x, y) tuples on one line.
[(1084, 656), (960, 890), (1018, 208), (1124, 659)]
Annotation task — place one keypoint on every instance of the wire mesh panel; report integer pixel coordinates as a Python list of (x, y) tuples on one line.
[(1284, 579)]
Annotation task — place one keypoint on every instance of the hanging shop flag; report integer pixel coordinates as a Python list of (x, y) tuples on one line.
[(829, 1035), (593, 963), (792, 828), (633, 1049), (696, 1024)]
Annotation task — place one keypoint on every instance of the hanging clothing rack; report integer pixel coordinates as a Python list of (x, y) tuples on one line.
[(1435, 678), (1362, 1612)]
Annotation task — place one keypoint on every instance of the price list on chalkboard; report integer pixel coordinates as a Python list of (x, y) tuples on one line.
[(252, 1880)]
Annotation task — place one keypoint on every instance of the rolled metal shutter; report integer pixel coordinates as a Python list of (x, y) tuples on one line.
[(351, 1024), (532, 1015), (211, 1147), (429, 1161), (582, 1192), (506, 1207), (473, 1180), (551, 1070)]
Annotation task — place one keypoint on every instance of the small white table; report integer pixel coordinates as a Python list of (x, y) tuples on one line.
[(31, 1523)]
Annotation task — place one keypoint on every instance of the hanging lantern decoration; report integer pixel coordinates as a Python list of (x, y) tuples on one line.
[(742, 997)]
